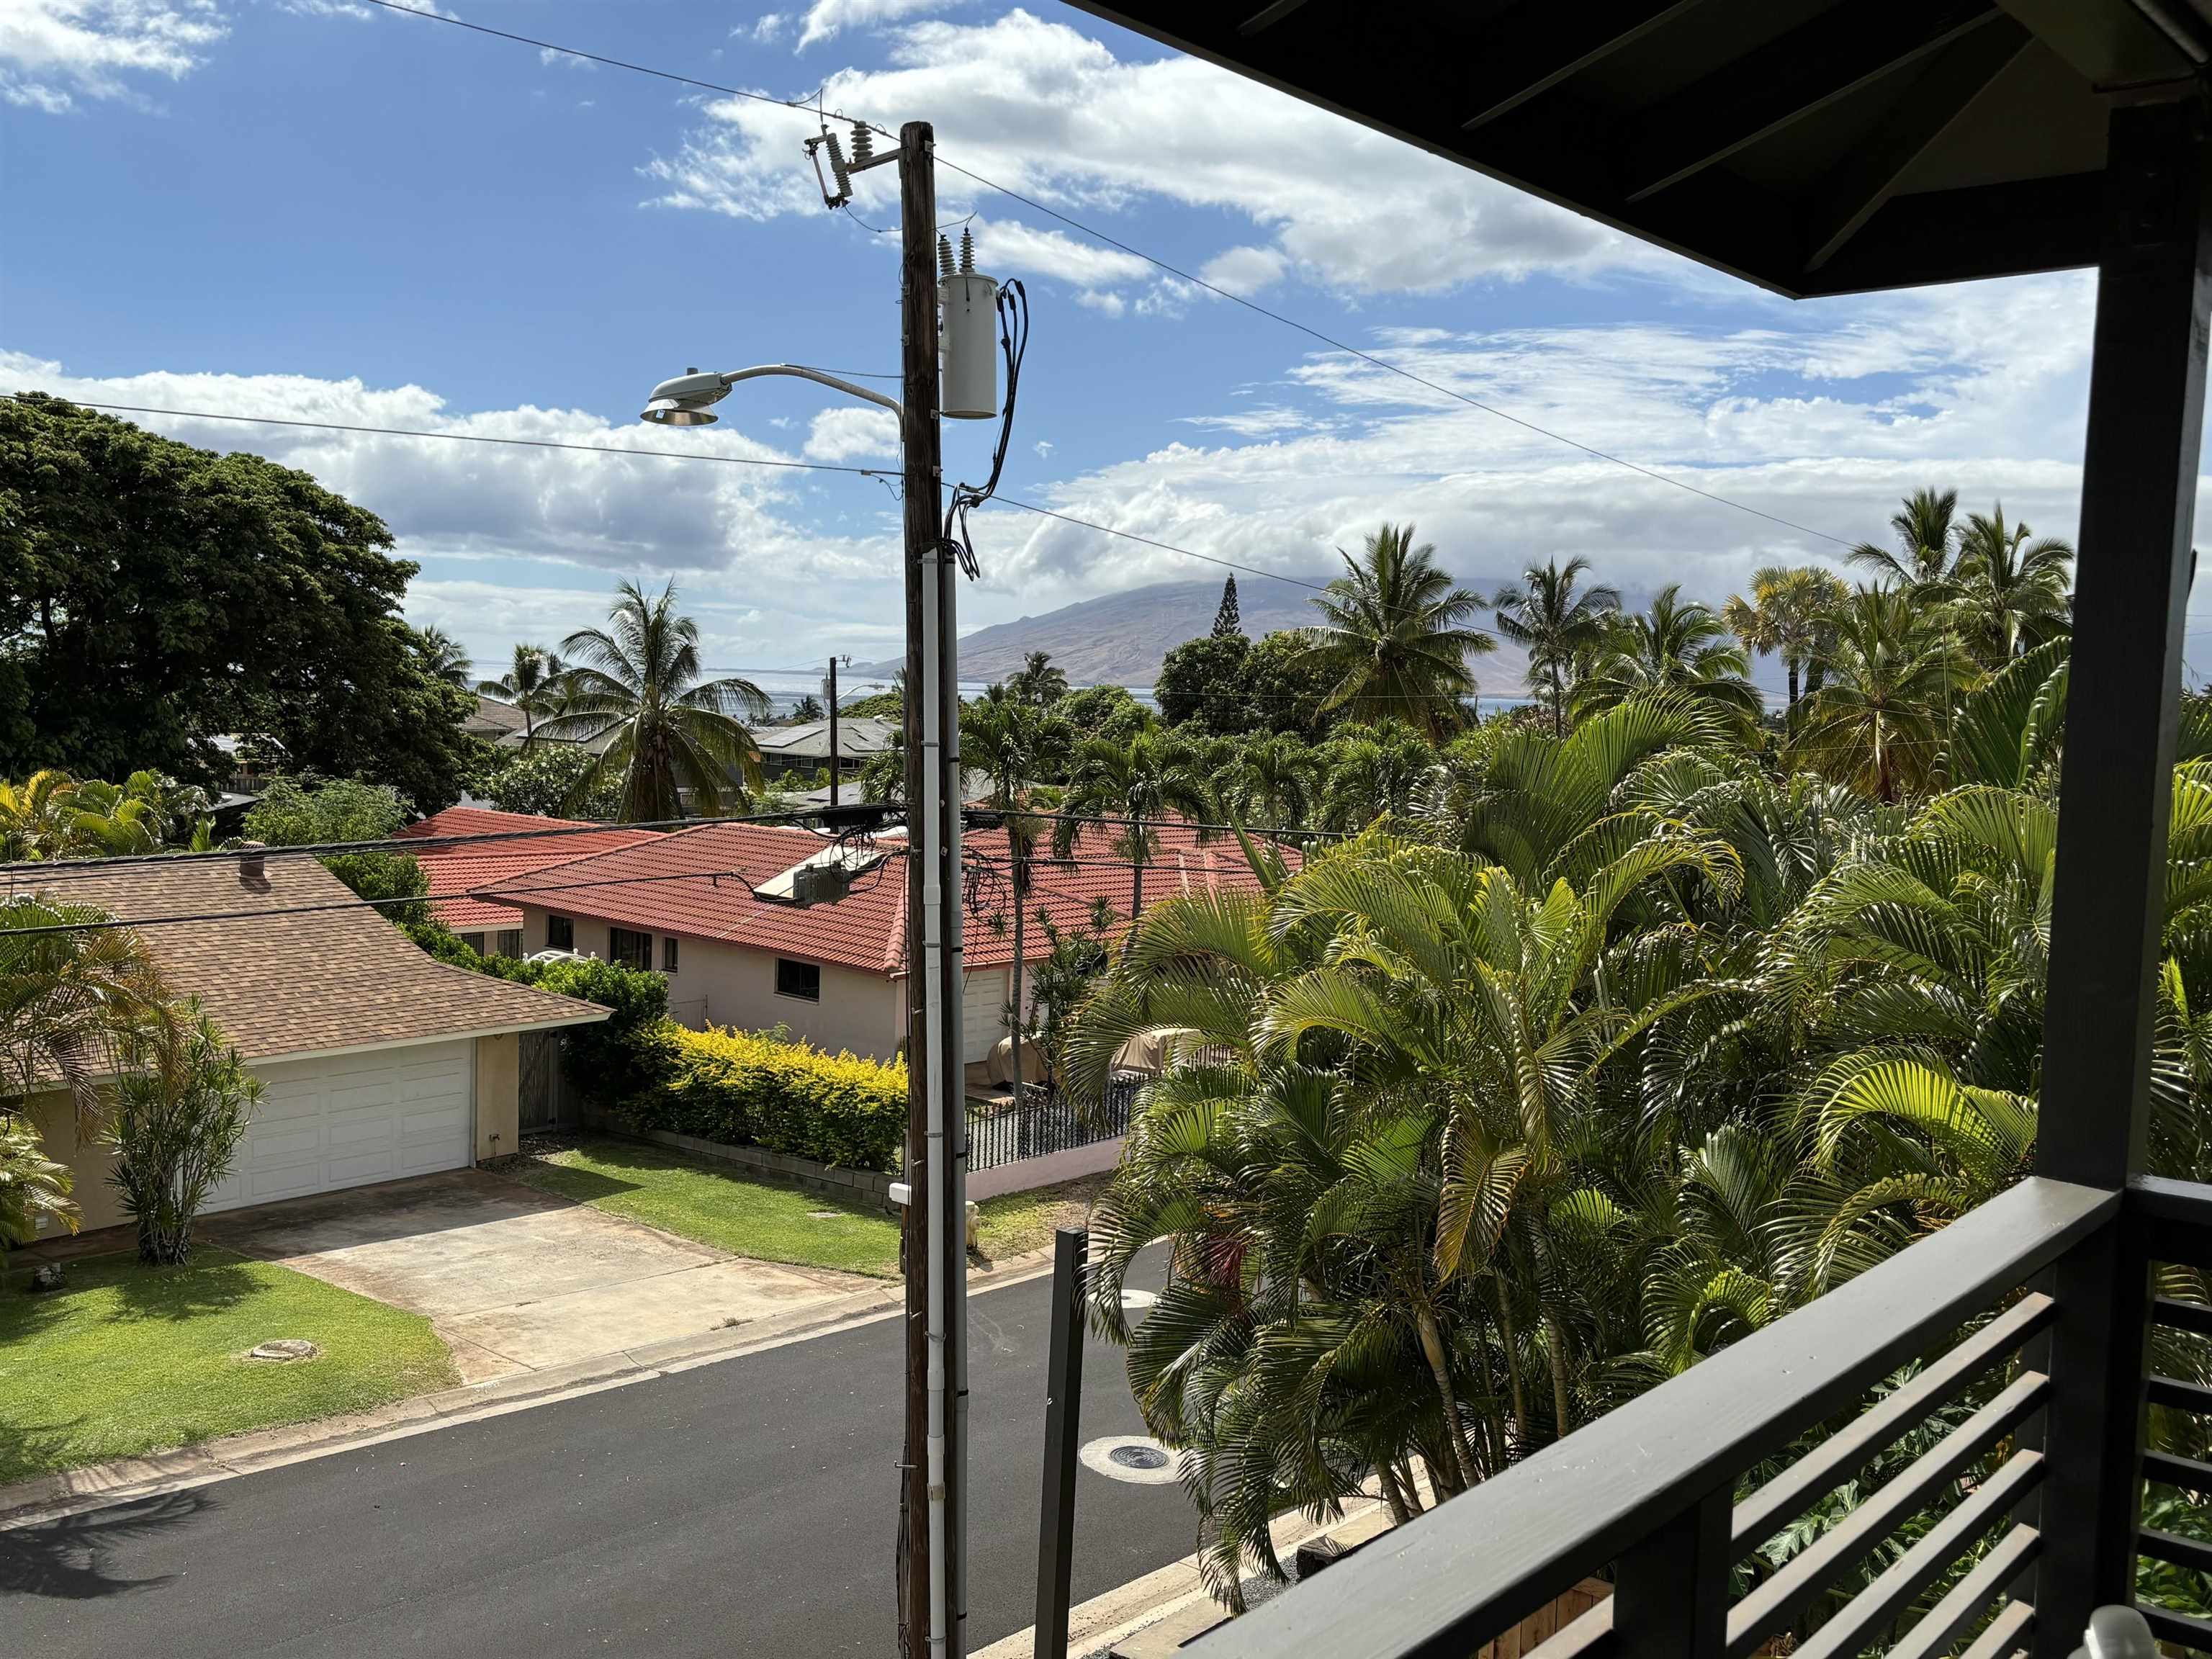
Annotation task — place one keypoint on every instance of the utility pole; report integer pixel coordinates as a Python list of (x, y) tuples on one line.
[(935, 1237), (835, 760)]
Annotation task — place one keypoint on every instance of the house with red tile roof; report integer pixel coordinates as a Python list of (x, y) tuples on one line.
[(689, 905), (525, 843)]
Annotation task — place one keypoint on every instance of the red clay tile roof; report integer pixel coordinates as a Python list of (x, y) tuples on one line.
[(331, 979), (455, 872), (669, 885)]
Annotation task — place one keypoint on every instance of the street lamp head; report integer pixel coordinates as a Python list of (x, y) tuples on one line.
[(685, 400)]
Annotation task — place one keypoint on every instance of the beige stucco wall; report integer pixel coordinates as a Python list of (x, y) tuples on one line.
[(725, 985), (87, 1162), (499, 1082)]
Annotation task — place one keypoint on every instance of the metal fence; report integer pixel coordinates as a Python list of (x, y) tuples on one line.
[(1045, 1123)]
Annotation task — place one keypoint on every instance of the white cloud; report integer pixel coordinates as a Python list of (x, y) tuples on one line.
[(1042, 108), (552, 59), (54, 51), (850, 435), (826, 19), (769, 26)]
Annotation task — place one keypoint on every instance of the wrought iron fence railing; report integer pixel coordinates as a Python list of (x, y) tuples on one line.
[(1044, 1122)]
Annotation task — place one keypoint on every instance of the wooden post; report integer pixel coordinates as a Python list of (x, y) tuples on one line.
[(2138, 501), (836, 761), (1670, 1598), (1063, 1431)]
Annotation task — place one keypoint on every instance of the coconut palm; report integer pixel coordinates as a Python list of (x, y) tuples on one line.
[(1271, 782), (444, 656), (1677, 645), (1787, 615), (1037, 681), (1373, 771), (1008, 738), (1893, 673), (1128, 789), (73, 987), (1926, 534), (2012, 589), (532, 683), (1396, 635), (671, 737), (1561, 628)]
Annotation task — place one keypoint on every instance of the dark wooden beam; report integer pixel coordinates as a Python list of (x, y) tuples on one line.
[(2131, 588), (1934, 101), (1268, 16), (1967, 234), (1534, 48), (1789, 78)]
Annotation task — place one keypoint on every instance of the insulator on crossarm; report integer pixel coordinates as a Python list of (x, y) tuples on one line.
[(945, 256), (864, 144), (967, 252)]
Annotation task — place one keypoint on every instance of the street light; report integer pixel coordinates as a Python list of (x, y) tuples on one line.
[(935, 1590)]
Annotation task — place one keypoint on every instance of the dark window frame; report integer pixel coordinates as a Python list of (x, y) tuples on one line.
[(802, 972), (668, 954), (628, 947), (509, 943)]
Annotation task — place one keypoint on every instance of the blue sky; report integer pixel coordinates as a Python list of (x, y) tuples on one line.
[(318, 210)]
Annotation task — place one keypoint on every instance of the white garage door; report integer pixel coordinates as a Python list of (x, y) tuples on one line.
[(347, 1121), (982, 1013)]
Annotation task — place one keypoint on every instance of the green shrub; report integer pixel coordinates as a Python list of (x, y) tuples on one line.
[(623, 1056), (744, 1089)]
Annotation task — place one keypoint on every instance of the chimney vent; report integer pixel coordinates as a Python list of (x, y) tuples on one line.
[(251, 867)]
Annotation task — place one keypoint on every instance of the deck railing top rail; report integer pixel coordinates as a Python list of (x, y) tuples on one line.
[(1453, 1577)]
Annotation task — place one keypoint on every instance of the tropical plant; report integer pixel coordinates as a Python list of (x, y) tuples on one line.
[(532, 683), (1894, 670), (1037, 681), (673, 741), (1127, 790), (73, 987), (2012, 591), (181, 1106), (445, 657), (1396, 635), (1678, 646), (549, 780), (1921, 563), (1371, 772), (1787, 615), (50, 815), (1008, 738), (34, 1190), (1271, 783), (1561, 628)]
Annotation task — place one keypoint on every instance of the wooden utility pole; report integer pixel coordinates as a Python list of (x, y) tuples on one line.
[(835, 760)]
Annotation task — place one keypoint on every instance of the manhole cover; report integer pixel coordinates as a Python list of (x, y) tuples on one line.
[(1140, 1457), (1134, 1458), (285, 1349)]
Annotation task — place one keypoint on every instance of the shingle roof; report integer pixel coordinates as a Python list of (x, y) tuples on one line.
[(329, 979), (454, 872), (859, 736), (670, 885)]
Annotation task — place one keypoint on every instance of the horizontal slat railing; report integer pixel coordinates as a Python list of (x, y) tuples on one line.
[(1625, 1488)]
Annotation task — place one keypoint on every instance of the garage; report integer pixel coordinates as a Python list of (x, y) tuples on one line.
[(982, 1013), (348, 1120)]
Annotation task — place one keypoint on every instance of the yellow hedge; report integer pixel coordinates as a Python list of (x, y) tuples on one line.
[(744, 1089)]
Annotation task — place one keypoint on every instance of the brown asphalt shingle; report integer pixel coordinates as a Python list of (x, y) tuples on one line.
[(332, 979)]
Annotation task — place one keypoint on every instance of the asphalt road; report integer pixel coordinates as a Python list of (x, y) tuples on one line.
[(746, 1507)]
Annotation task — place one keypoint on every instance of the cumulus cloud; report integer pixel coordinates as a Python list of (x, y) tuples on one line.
[(850, 435), (827, 19), (54, 53), (1042, 108)]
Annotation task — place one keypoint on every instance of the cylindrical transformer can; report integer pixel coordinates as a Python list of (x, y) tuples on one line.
[(970, 387)]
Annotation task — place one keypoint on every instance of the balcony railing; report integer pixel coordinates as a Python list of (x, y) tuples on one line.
[(1654, 1494)]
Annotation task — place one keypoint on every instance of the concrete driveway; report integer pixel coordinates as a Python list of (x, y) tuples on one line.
[(515, 1279)]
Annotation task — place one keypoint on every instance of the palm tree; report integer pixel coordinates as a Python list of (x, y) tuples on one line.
[(1037, 681), (69, 999), (532, 683), (1559, 628), (668, 734), (1921, 562), (1396, 635), (1878, 722), (1008, 738), (1677, 645), (1271, 783), (1371, 772), (1787, 615), (444, 656), (2012, 591), (1129, 789)]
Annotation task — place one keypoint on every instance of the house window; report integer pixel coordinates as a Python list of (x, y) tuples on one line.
[(798, 979), (474, 941), (559, 933), (510, 941), (668, 954), (629, 949)]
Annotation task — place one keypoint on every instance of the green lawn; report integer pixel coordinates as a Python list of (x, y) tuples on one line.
[(717, 1205), (131, 1359), (749, 1215)]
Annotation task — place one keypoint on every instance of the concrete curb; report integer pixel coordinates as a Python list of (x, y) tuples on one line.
[(73, 1492)]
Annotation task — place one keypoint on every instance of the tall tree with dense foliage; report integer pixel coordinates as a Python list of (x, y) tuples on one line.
[(1228, 620), (674, 741), (1894, 671), (532, 683), (1037, 680), (155, 597), (1677, 645), (1396, 635), (1561, 625), (2012, 588), (1126, 789), (1788, 614), (1272, 782), (1201, 683)]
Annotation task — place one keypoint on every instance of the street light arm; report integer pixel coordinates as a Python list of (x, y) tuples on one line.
[(801, 372)]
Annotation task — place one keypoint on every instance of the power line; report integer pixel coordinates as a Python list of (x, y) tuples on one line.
[(478, 437), (1176, 271)]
